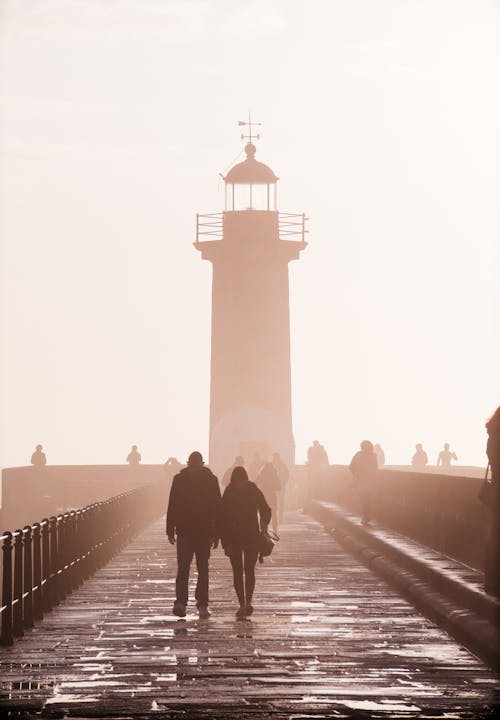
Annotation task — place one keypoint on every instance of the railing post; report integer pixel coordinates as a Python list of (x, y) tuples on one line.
[(37, 573), (7, 636), (62, 551), (54, 561), (46, 589), (17, 606), (28, 579)]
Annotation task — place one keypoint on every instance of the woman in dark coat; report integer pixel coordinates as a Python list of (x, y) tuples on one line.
[(243, 509)]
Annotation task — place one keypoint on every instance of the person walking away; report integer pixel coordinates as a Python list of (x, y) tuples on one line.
[(134, 457), (364, 468), (243, 509), (226, 478), (317, 467), (492, 566), (283, 475), (268, 481), (192, 516), (420, 458), (255, 466), (38, 458), (446, 456)]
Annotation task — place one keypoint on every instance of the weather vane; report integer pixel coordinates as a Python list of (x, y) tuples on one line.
[(250, 124)]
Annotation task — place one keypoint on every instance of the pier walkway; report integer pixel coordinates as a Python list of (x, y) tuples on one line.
[(328, 639)]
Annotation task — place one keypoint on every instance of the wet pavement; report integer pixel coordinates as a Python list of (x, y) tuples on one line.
[(328, 639)]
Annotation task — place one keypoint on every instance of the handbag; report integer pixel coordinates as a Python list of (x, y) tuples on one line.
[(265, 544), (485, 494)]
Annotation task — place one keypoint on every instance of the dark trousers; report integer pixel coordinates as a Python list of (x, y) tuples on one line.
[(243, 560), (187, 546)]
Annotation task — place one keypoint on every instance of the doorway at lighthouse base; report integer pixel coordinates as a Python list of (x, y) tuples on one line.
[(248, 430)]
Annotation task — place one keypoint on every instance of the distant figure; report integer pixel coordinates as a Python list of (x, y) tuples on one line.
[(492, 566), (446, 456), (255, 466), (283, 475), (134, 456), (171, 467), (242, 505), (380, 455), (317, 455), (192, 516), (317, 467), (420, 458), (364, 467), (226, 478), (38, 458), (268, 481)]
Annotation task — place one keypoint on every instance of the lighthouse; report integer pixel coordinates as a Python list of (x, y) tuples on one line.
[(250, 245)]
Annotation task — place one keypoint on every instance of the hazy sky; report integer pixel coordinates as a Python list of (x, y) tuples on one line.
[(381, 119)]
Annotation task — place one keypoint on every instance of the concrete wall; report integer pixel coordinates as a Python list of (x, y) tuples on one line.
[(440, 511), (30, 494)]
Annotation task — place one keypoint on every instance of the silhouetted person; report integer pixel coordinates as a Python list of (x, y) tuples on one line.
[(172, 466), (283, 475), (255, 466), (492, 565), (420, 458), (317, 466), (243, 509), (192, 516), (134, 456), (268, 481), (364, 467), (226, 478), (317, 455), (380, 455), (446, 456), (38, 459)]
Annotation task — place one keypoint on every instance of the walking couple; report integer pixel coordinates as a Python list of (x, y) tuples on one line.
[(197, 518)]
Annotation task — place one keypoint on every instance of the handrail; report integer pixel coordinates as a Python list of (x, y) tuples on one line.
[(290, 224), (44, 562)]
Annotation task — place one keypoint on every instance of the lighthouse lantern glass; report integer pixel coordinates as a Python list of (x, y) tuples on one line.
[(251, 196)]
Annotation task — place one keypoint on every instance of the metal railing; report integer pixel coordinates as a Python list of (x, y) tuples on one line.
[(44, 562), (292, 226)]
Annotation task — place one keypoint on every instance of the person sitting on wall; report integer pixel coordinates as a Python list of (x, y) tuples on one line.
[(38, 459), (446, 456), (134, 456), (420, 458)]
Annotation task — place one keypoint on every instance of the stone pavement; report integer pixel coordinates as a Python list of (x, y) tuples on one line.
[(328, 639)]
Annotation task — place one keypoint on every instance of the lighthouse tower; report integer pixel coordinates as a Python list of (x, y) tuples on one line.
[(250, 245)]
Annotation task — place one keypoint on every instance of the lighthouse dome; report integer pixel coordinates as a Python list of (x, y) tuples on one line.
[(250, 170)]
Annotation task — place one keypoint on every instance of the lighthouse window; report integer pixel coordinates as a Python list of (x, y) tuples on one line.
[(250, 197)]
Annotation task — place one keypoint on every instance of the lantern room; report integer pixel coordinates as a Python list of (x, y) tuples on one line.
[(250, 185)]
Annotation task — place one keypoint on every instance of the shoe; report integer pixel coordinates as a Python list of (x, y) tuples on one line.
[(203, 612), (179, 609), (241, 613), (249, 609)]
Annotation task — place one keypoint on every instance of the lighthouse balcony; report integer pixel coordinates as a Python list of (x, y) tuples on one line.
[(210, 226)]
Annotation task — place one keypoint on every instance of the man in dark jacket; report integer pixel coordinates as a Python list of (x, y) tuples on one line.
[(192, 515)]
